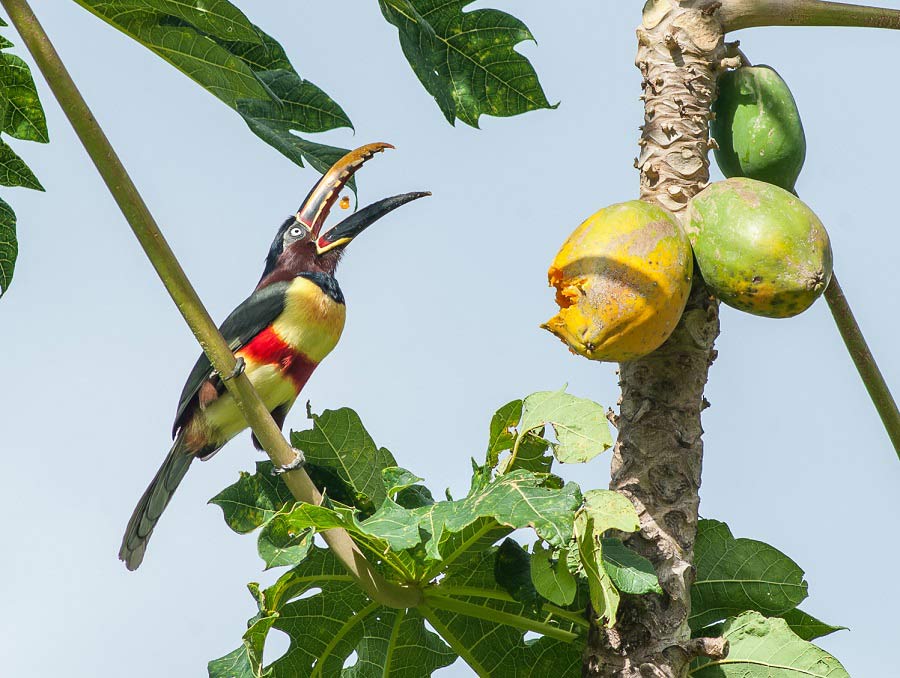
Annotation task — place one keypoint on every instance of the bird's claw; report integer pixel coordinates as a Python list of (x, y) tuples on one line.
[(299, 461), (238, 370)]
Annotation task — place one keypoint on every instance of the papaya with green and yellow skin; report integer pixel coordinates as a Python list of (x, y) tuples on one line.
[(622, 280), (759, 248), (757, 127)]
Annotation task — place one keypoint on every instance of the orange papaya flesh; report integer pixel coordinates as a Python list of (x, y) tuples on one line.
[(622, 280), (759, 248)]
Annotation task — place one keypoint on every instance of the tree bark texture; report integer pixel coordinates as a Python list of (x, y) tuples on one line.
[(657, 457)]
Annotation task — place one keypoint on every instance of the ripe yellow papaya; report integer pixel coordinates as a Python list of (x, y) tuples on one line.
[(759, 248), (757, 127), (622, 280)]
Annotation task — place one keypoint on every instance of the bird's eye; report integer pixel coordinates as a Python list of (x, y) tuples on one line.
[(297, 232)]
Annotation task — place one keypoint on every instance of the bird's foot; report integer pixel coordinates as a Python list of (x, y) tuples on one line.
[(299, 461), (238, 370)]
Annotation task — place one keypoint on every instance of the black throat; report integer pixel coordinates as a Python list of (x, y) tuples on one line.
[(328, 284)]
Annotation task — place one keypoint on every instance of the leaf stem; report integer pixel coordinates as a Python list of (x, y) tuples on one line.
[(439, 602), (864, 360), (568, 615), (186, 299), (737, 14), (456, 645)]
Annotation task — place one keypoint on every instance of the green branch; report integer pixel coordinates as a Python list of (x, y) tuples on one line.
[(452, 640), (737, 14), (439, 602), (185, 297), (493, 594), (864, 361)]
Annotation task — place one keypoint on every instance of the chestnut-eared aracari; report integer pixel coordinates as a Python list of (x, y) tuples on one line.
[(279, 334)]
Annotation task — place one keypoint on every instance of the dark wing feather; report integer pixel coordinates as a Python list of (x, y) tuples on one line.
[(250, 318)]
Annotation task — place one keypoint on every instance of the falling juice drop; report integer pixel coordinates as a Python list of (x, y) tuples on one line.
[(345, 202)]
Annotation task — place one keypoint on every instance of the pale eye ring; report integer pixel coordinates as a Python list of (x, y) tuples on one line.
[(297, 232)]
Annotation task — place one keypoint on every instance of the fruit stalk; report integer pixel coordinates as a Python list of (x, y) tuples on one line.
[(864, 360), (737, 14)]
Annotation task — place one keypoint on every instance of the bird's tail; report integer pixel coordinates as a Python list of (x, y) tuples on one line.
[(154, 501)]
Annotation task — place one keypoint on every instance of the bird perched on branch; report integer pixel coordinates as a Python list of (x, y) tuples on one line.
[(279, 334)]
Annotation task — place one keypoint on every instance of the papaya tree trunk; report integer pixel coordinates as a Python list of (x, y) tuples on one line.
[(657, 457)]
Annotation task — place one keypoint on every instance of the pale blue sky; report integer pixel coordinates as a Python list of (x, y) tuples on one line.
[(444, 302)]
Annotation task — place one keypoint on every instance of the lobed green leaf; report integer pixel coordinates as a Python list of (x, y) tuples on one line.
[(467, 60), (808, 627), (736, 575), (552, 580), (581, 427), (253, 500), (217, 46), (630, 572), (493, 642), (9, 247), (340, 442), (14, 171), (767, 648), (327, 618), (22, 117)]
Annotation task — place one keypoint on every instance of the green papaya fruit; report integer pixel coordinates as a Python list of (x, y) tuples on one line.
[(759, 248), (757, 127)]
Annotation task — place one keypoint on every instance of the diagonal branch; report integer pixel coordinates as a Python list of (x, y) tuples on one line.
[(864, 360), (185, 297)]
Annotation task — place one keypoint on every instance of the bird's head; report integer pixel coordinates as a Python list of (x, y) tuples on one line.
[(300, 246)]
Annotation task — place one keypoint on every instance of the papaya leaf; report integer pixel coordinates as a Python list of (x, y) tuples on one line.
[(480, 621), (467, 60), (604, 595), (512, 570), (253, 500), (217, 46), (553, 581), (512, 501), (630, 572), (414, 496), (767, 648), (530, 452), (384, 539), (611, 511), (9, 247), (338, 441), (736, 575), (235, 664), (602, 510), (14, 171), (808, 627), (503, 435), (332, 620), (280, 544), (22, 117), (581, 427), (396, 479)]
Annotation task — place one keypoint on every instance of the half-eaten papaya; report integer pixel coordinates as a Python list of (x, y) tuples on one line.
[(622, 280)]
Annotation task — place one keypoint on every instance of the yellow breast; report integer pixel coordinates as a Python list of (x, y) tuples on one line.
[(312, 321)]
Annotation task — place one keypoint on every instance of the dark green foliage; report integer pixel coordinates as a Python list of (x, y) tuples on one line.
[(218, 47), (479, 597), (467, 60), (21, 117)]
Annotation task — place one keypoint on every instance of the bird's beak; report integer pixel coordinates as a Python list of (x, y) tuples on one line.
[(356, 223), (314, 210)]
